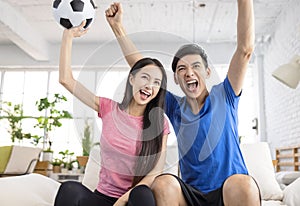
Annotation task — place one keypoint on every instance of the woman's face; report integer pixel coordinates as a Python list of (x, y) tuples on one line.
[(146, 84)]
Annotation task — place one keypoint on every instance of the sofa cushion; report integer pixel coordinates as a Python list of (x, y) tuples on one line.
[(28, 190), (291, 193), (287, 177), (259, 163), (91, 173)]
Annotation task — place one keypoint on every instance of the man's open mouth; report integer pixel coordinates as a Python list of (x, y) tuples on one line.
[(192, 85)]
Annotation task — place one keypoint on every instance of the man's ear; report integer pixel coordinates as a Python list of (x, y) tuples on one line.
[(208, 72), (175, 78)]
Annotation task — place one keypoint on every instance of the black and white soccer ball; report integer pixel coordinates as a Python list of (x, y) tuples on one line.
[(71, 13)]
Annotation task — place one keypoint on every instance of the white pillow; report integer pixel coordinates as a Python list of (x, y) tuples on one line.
[(287, 177), (20, 159), (272, 203), (92, 169), (292, 193), (171, 164), (259, 163), (28, 190)]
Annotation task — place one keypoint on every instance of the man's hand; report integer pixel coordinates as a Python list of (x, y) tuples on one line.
[(114, 14)]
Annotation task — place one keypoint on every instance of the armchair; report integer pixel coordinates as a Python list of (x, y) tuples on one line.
[(18, 160)]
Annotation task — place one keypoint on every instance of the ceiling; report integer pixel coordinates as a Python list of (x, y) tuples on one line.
[(30, 23)]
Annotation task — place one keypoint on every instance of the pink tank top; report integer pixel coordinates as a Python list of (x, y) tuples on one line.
[(120, 144)]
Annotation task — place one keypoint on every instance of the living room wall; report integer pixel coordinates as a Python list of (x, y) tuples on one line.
[(281, 103)]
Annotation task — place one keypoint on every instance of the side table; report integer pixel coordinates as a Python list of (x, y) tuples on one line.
[(62, 177)]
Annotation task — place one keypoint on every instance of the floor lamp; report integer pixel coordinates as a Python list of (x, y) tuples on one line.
[(289, 74)]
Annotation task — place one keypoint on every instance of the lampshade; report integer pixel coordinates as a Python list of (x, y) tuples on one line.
[(289, 74)]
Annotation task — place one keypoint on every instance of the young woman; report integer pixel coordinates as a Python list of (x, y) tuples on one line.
[(134, 134)]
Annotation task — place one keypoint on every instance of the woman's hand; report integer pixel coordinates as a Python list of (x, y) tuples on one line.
[(122, 201), (77, 31), (114, 14)]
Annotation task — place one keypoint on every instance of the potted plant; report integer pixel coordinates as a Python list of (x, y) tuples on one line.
[(56, 163), (50, 120), (67, 160), (87, 144)]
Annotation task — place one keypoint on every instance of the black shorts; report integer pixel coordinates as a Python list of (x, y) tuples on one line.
[(194, 197)]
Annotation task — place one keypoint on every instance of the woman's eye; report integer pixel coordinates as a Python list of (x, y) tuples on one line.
[(157, 83), (144, 77)]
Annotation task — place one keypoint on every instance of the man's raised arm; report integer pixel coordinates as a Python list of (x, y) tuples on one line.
[(114, 17), (245, 45)]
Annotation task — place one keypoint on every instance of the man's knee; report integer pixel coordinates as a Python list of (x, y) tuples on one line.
[(165, 183), (240, 186)]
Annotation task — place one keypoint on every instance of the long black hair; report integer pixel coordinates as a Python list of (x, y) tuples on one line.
[(153, 121)]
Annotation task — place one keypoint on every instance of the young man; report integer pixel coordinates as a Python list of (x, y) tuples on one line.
[(212, 167)]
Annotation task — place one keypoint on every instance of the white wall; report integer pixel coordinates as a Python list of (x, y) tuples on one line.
[(108, 54), (282, 104)]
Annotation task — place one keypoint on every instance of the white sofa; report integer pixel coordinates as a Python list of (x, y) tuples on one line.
[(38, 190)]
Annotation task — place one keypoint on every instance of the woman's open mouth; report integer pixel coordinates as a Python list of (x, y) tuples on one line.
[(144, 94)]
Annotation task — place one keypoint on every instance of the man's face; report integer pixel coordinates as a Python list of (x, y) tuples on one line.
[(190, 74)]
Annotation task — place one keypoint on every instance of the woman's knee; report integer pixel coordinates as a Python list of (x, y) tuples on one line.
[(70, 193), (70, 187), (141, 195)]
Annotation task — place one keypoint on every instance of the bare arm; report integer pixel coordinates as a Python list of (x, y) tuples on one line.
[(65, 73), (149, 178), (114, 17), (245, 45)]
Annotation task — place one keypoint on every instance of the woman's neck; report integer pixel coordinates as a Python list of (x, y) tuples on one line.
[(136, 110)]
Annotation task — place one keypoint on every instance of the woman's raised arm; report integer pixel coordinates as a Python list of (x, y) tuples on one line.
[(65, 72)]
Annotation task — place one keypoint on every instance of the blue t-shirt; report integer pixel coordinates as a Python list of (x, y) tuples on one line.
[(208, 143)]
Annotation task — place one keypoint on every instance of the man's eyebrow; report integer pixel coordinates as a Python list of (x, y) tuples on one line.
[(181, 65), (197, 62)]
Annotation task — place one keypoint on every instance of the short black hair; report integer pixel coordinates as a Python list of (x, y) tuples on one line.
[(189, 49)]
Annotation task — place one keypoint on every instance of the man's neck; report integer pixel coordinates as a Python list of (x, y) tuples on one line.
[(197, 103)]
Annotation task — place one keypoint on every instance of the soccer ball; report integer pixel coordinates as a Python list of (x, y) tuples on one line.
[(71, 13)]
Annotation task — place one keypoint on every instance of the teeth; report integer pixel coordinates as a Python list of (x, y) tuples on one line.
[(146, 93), (191, 82)]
